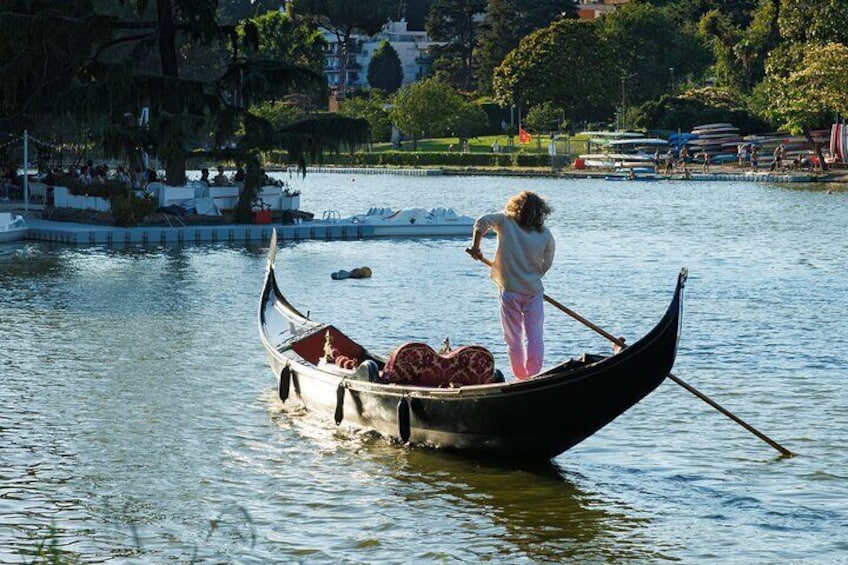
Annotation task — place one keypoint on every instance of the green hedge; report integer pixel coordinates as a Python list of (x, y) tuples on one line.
[(429, 159), (128, 208)]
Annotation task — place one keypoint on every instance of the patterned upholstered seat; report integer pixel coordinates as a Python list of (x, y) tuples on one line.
[(418, 364)]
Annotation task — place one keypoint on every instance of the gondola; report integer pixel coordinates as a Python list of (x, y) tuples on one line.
[(537, 418)]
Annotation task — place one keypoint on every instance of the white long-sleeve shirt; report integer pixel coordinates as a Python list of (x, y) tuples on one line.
[(522, 257)]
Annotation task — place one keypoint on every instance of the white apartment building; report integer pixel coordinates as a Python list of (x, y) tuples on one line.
[(413, 49)]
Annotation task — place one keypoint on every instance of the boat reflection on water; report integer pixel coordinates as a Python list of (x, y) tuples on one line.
[(475, 508), (535, 511)]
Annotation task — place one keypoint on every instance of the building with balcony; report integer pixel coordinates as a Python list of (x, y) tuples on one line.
[(413, 49)]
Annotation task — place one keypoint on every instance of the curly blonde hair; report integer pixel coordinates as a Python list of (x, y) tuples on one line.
[(529, 210)]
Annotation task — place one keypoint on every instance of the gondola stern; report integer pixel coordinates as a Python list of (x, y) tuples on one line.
[(270, 284)]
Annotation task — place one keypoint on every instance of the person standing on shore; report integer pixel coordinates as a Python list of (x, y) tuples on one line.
[(777, 158), (525, 252), (705, 157), (684, 155), (669, 162)]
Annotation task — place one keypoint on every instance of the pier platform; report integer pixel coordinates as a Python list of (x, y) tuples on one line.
[(70, 233)]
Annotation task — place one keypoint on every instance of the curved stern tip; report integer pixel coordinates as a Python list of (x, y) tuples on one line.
[(272, 248)]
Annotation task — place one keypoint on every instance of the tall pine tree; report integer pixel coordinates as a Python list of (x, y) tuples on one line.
[(455, 22), (384, 70)]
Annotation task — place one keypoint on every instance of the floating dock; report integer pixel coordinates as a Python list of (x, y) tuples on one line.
[(695, 176), (377, 171), (70, 233), (751, 176)]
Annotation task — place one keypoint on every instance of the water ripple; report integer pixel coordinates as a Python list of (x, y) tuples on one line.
[(138, 417)]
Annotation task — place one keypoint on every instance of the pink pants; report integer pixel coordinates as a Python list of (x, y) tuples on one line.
[(522, 320)]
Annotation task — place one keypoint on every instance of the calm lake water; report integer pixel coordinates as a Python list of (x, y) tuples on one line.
[(138, 416)]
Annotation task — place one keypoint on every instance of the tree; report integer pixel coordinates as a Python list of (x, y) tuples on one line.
[(760, 37), (455, 22), (698, 106), (279, 113), (416, 13), (374, 111), (469, 120), (723, 36), (279, 37), (813, 21), (567, 64), (384, 71), (646, 44), (29, 91), (811, 91), (131, 60), (238, 10), (342, 18), (804, 87), (739, 11), (543, 117), (425, 108), (505, 23)]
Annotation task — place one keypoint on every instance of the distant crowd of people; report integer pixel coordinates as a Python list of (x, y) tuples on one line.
[(221, 179), (748, 156), (88, 174)]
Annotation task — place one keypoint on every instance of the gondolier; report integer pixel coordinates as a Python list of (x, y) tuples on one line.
[(525, 253)]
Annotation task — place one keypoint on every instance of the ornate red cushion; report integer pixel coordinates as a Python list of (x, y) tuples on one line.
[(418, 364)]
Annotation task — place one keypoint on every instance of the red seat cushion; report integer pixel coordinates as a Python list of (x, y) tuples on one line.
[(418, 364)]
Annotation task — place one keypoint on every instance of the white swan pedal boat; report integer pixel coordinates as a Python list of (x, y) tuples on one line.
[(385, 222)]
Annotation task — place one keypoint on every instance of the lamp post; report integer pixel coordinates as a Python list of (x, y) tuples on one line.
[(671, 72), (623, 99)]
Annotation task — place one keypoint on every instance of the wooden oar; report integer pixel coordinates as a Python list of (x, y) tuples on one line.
[(620, 342)]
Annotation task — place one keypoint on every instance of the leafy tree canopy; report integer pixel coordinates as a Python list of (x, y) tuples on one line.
[(372, 110), (425, 108), (695, 107), (814, 21), (505, 23), (469, 121), (275, 36), (567, 64), (543, 117), (646, 45), (805, 86)]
